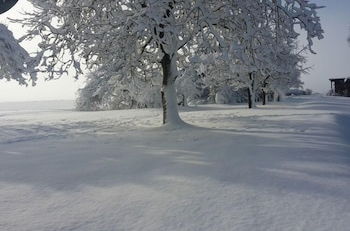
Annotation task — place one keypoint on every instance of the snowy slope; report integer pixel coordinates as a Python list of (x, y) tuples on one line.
[(279, 167)]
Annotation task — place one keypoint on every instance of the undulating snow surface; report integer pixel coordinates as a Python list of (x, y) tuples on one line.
[(279, 167)]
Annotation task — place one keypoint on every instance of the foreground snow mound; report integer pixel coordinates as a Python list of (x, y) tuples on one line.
[(278, 167)]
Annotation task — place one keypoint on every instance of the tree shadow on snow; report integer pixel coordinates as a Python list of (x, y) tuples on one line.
[(290, 163)]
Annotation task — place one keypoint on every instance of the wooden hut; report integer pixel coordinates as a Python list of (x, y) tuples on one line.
[(340, 86)]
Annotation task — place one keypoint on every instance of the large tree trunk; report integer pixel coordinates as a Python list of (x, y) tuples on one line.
[(251, 98), (169, 100)]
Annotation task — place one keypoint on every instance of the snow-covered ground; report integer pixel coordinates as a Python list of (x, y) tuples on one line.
[(279, 167)]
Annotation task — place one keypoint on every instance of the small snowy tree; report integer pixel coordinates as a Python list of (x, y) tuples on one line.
[(258, 46), (189, 86), (288, 66)]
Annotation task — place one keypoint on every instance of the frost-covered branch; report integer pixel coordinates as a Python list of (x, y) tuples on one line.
[(14, 59)]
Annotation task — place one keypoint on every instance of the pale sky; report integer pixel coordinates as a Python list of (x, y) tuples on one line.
[(332, 58), (63, 89), (333, 52)]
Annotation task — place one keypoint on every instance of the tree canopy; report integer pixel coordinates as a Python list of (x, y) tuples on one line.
[(165, 36)]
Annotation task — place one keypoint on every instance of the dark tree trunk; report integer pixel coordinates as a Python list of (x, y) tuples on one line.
[(264, 92), (264, 97), (183, 101), (250, 103), (166, 66), (251, 92), (164, 106)]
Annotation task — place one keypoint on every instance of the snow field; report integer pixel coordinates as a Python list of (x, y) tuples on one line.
[(279, 167)]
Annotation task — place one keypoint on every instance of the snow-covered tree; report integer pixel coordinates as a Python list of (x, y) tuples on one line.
[(111, 91), (264, 44), (189, 86), (265, 52), (105, 91), (14, 59), (288, 66), (122, 34), (132, 35)]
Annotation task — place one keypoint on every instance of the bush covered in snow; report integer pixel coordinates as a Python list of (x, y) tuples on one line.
[(296, 91)]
